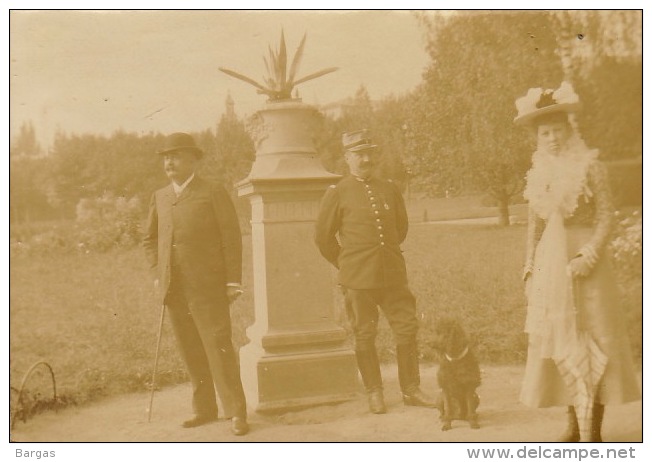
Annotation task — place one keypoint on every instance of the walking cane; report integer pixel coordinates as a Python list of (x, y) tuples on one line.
[(158, 349)]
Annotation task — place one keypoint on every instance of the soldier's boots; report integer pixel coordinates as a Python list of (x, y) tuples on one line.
[(409, 378), (369, 368)]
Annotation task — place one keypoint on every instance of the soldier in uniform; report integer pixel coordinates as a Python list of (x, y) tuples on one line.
[(361, 225)]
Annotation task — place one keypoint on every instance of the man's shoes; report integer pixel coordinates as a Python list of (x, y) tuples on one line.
[(199, 420), (418, 398), (239, 426), (376, 402)]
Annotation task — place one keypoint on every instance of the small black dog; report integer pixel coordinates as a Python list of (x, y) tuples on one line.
[(458, 375)]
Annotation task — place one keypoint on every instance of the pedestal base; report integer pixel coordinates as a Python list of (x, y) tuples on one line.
[(298, 355), (278, 382)]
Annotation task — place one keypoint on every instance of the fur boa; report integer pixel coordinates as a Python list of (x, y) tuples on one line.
[(555, 183)]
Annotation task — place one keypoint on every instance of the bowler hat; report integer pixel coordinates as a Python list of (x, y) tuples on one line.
[(180, 142), (357, 141), (538, 102)]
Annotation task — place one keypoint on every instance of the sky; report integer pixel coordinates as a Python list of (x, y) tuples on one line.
[(148, 71)]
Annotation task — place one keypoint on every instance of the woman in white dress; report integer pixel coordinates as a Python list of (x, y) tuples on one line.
[(578, 351)]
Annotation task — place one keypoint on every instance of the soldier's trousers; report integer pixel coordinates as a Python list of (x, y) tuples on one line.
[(398, 305)]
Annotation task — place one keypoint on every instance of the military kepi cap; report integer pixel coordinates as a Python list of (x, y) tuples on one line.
[(357, 141), (180, 142)]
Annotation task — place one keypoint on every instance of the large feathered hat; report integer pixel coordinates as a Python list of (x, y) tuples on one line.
[(538, 102)]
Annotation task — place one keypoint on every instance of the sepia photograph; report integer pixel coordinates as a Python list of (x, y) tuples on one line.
[(333, 226)]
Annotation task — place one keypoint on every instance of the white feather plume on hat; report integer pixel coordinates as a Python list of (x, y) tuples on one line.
[(538, 102)]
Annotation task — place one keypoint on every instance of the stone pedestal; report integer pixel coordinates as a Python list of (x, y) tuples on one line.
[(298, 355)]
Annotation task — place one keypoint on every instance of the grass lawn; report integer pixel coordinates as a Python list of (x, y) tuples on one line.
[(424, 209), (94, 317), (472, 272)]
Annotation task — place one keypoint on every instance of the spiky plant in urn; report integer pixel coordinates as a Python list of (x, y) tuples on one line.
[(283, 131), (298, 354)]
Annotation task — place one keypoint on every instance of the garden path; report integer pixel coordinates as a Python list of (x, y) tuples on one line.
[(502, 419)]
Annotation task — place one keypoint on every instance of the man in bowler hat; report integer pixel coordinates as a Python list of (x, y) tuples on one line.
[(194, 247), (361, 224)]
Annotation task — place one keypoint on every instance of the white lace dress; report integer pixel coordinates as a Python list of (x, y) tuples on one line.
[(578, 349)]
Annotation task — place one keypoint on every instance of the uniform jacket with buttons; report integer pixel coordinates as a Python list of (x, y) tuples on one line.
[(197, 232), (360, 228)]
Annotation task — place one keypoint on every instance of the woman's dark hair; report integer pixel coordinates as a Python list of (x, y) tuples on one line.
[(553, 117)]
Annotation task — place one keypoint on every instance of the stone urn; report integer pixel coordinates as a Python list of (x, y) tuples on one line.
[(284, 135), (298, 354)]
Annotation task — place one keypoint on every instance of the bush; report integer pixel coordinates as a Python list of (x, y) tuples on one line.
[(101, 224), (41, 238), (627, 249), (108, 222), (627, 245)]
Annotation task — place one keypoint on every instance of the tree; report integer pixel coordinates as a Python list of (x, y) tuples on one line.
[(25, 144), (389, 132), (231, 151), (123, 165), (26, 193), (602, 56), (328, 142), (90, 166), (460, 131), (356, 112), (385, 119)]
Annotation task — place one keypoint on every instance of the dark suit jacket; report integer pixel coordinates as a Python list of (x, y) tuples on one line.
[(197, 232), (370, 220)]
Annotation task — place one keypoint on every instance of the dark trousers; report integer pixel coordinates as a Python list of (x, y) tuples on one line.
[(202, 326), (397, 303)]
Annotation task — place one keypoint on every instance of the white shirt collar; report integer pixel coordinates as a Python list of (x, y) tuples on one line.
[(178, 189)]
